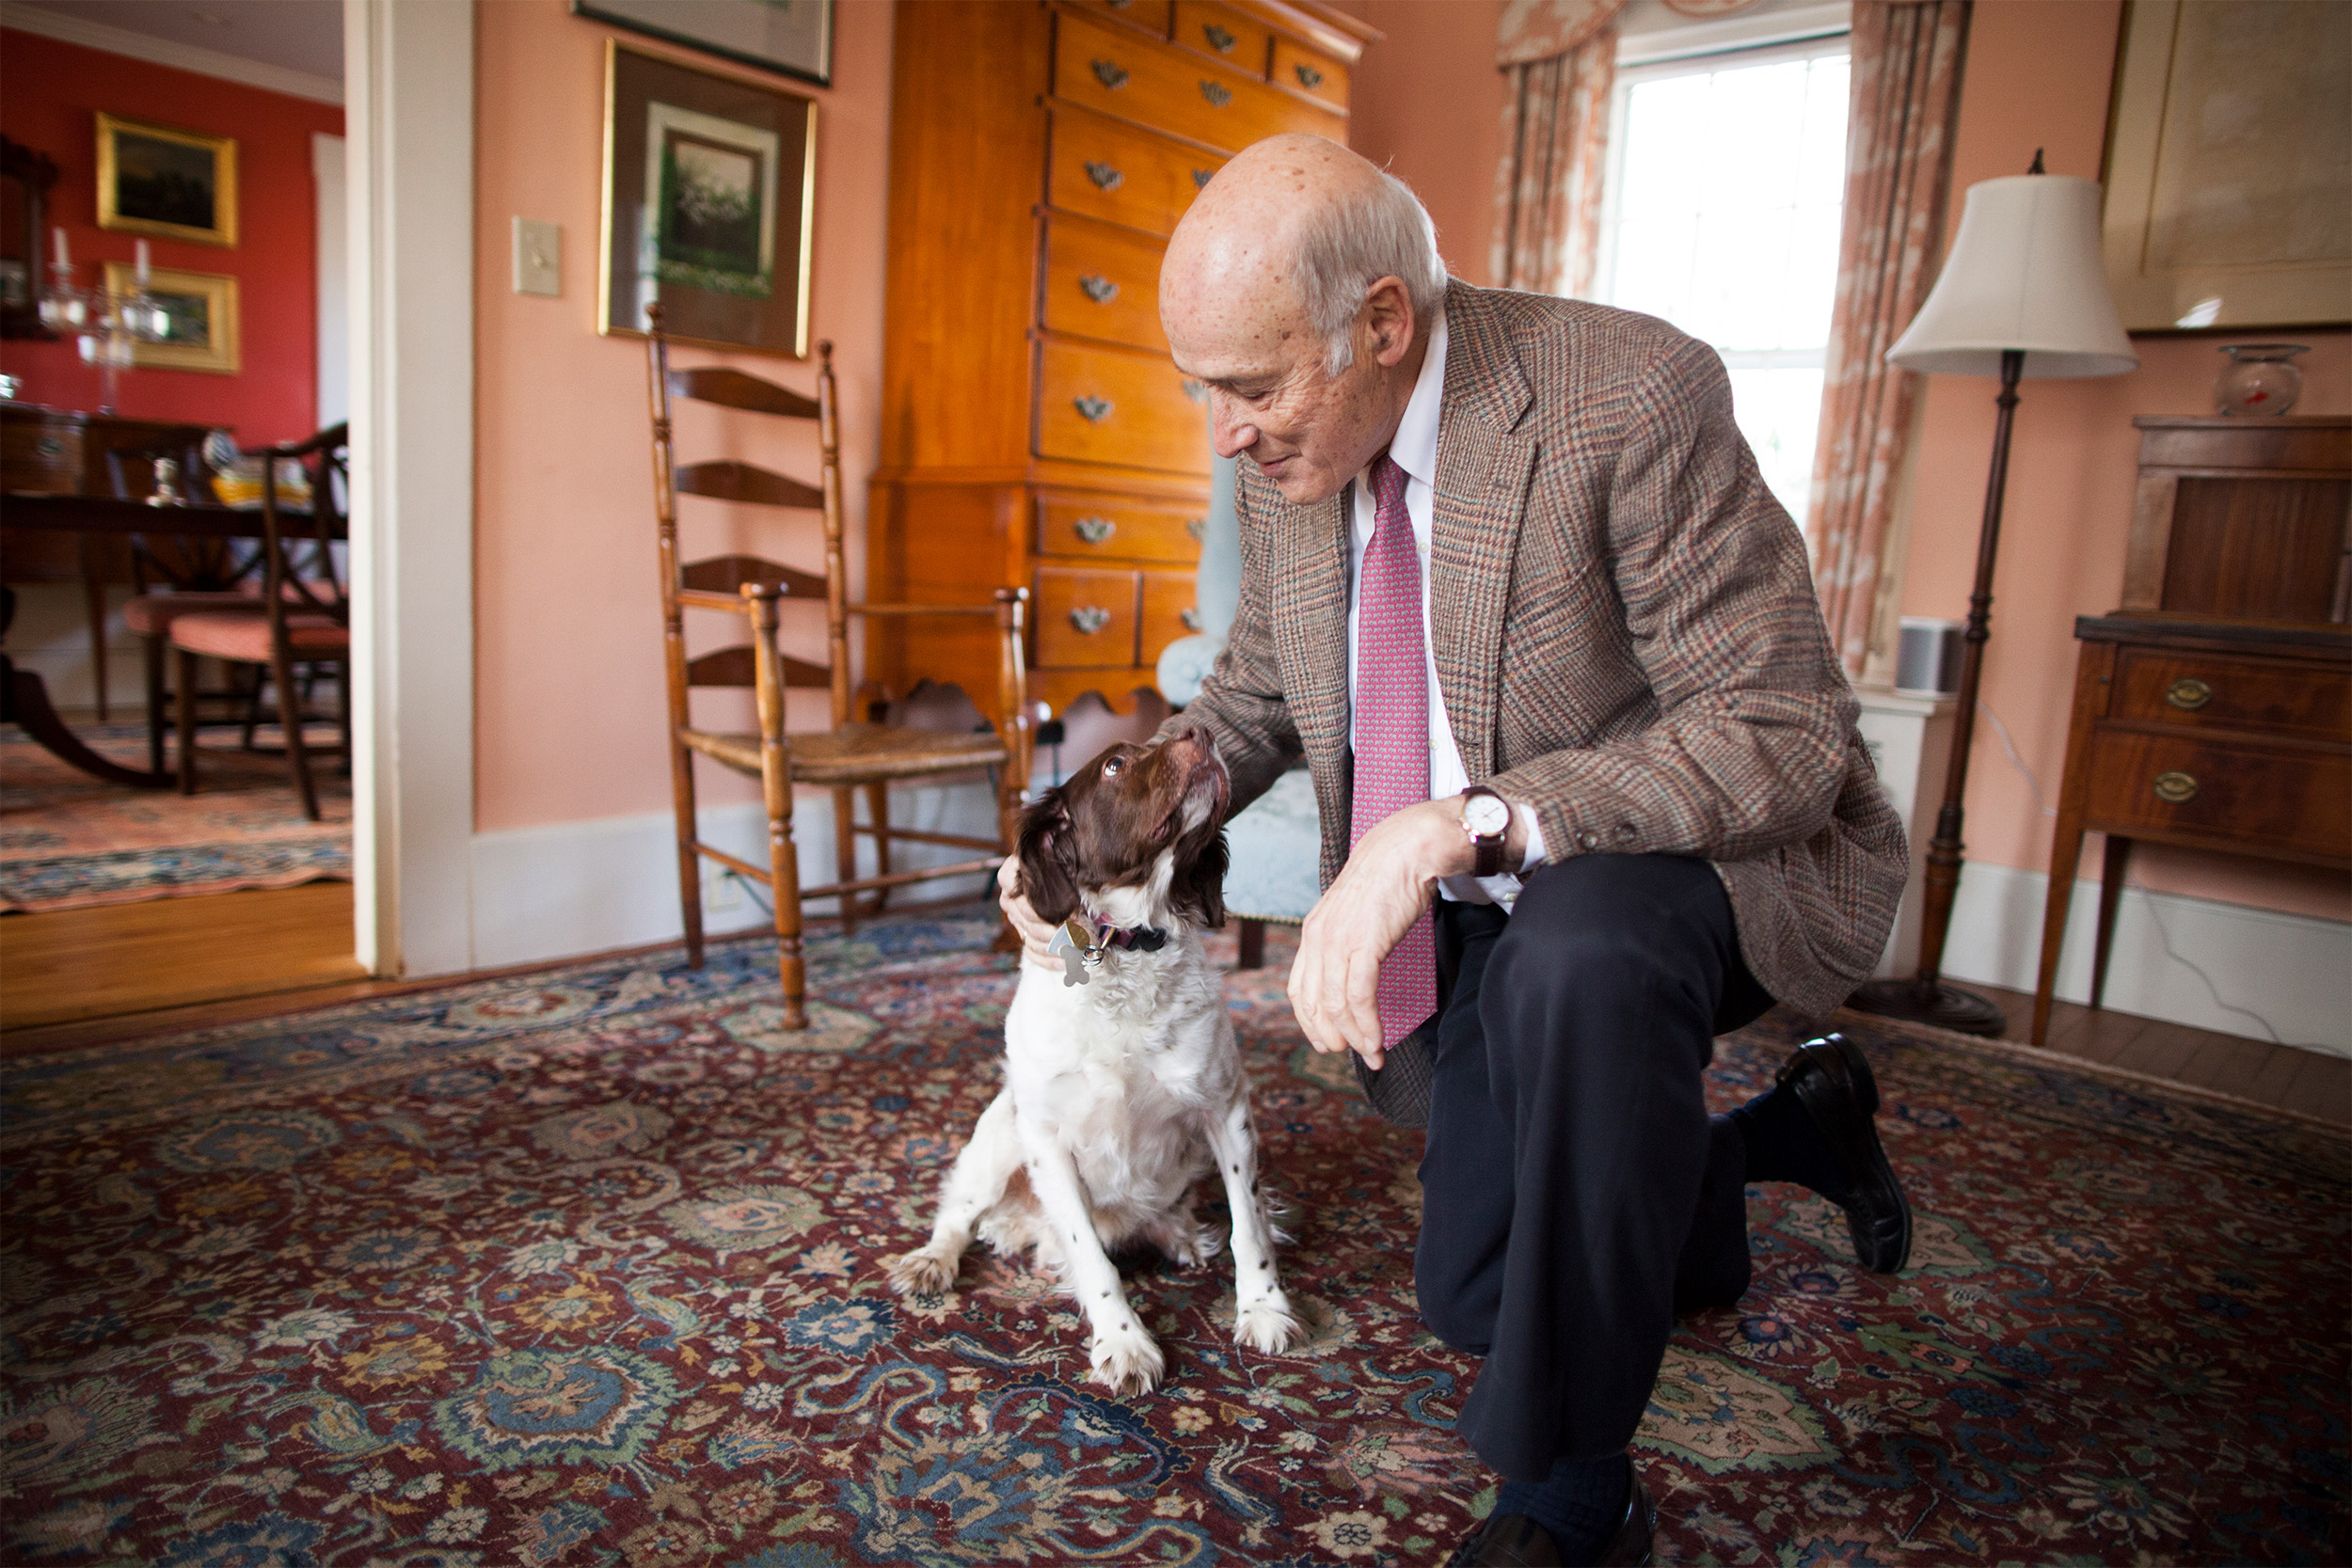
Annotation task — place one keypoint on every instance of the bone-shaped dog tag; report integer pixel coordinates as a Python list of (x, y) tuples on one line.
[(1078, 958)]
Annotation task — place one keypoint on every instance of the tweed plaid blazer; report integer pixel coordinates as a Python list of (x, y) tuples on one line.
[(1624, 631)]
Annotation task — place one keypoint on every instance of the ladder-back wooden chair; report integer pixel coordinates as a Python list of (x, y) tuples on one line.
[(854, 753)]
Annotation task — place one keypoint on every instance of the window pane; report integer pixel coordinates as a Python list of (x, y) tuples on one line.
[(1779, 412)]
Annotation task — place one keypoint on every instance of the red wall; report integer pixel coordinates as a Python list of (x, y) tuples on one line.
[(50, 95)]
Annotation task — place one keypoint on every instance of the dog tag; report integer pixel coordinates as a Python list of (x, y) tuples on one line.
[(1079, 957)]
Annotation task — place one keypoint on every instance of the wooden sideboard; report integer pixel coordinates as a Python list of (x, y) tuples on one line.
[(2213, 709), (1034, 430)]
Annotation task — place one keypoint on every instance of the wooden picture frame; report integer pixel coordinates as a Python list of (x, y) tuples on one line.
[(2227, 206), (205, 333), (163, 180), (792, 37), (709, 202)]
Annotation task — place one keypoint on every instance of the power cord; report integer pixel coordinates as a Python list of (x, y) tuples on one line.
[(2147, 894)]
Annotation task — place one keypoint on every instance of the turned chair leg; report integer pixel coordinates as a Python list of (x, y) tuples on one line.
[(845, 853), (290, 719), (878, 811), (184, 677), (153, 647)]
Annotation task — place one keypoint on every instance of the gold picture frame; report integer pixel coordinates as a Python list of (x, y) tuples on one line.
[(202, 310), (163, 180), (709, 205), (2227, 204)]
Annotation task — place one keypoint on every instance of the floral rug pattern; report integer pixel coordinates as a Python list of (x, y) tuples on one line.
[(67, 840), (584, 1268)]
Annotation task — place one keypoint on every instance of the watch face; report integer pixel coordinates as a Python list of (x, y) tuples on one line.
[(1485, 815)]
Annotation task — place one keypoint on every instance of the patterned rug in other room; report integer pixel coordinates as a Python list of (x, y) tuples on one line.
[(67, 840), (586, 1268)]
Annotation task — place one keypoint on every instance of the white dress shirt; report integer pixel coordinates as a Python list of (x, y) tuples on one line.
[(1414, 448)]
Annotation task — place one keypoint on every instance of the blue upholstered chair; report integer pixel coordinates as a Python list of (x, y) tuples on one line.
[(1277, 843)]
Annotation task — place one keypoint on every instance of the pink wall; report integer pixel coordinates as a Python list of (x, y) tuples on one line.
[(2037, 76), (568, 695), (51, 94), (1428, 107)]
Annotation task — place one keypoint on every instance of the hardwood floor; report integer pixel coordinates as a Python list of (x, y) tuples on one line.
[(133, 959), (2288, 1077), (81, 976)]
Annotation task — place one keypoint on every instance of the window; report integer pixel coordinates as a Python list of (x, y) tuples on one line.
[(1726, 188)]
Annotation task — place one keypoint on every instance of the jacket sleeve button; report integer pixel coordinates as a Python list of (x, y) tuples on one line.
[(1590, 841)]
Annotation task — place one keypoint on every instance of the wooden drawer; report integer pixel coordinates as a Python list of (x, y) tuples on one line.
[(1115, 72), (1168, 612), (1103, 283), (1224, 34), (1115, 405), (1115, 527), (2274, 800), (1085, 618), (1301, 69), (1152, 16), (1111, 171), (41, 454), (2286, 697)]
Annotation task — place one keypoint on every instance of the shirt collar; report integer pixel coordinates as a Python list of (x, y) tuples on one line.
[(1415, 444)]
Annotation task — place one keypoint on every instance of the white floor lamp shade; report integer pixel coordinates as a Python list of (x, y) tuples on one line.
[(2025, 272)]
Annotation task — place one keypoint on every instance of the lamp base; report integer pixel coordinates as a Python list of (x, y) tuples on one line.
[(1915, 1001)]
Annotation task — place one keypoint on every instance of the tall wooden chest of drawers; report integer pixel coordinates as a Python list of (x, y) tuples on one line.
[(1033, 429), (2213, 709)]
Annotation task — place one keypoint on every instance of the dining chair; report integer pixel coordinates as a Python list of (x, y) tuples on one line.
[(304, 619), (853, 754)]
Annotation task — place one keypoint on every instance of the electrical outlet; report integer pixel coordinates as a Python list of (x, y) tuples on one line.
[(721, 889), (538, 258)]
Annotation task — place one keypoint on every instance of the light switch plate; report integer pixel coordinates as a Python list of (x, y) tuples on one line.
[(538, 258)]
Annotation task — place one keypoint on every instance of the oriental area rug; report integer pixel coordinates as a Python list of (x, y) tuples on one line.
[(585, 1268), (67, 840)]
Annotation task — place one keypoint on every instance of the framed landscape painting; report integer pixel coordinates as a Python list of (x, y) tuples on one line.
[(158, 180), (200, 330), (709, 183), (794, 37)]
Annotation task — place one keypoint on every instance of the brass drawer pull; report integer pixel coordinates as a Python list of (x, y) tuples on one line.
[(1200, 177), (1105, 177), (1219, 39), (1092, 410), (1090, 619), (1308, 77), (1100, 289), (1094, 529), (1197, 527), (2188, 693), (2174, 786), (1190, 617), (1218, 93), (1110, 74)]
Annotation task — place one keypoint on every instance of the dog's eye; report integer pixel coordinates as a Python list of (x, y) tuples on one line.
[(1115, 767)]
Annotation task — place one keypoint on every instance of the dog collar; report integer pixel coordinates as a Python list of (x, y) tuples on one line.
[(1083, 942)]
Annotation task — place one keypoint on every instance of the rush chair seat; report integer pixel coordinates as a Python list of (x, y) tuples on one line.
[(853, 754)]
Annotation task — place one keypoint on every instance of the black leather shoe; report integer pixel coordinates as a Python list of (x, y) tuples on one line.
[(1832, 1081), (1515, 1541)]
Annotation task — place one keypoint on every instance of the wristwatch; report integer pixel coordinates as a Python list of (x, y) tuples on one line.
[(1485, 817)]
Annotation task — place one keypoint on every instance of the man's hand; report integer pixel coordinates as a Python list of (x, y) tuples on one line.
[(1037, 936), (1385, 886)]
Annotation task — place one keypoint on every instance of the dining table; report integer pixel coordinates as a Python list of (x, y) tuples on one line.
[(24, 696)]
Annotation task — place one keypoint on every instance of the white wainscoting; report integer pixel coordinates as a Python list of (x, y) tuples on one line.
[(2295, 972), (574, 888)]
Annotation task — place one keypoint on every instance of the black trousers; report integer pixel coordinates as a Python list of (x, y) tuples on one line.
[(1574, 1194)]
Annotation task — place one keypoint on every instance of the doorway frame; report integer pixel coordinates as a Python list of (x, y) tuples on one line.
[(408, 69)]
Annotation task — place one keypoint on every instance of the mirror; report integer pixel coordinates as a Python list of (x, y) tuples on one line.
[(25, 176)]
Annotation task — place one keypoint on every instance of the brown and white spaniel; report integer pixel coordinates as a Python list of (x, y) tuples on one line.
[(1122, 1084)]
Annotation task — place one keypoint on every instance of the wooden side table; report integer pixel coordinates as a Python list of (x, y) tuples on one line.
[(2214, 709)]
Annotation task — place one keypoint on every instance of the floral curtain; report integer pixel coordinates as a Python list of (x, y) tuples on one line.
[(1561, 57), (1906, 70)]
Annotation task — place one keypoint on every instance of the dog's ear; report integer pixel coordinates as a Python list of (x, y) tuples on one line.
[(1049, 859), (1197, 892)]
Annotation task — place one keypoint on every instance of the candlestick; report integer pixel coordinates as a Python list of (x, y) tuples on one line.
[(65, 258), (142, 254)]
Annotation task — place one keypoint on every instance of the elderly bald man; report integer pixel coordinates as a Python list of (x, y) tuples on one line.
[(1589, 782)]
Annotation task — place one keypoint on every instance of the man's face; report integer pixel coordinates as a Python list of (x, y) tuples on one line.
[(1270, 397)]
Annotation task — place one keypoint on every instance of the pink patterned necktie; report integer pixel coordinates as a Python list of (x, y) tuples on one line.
[(1392, 728)]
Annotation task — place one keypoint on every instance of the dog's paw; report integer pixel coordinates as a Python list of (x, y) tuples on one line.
[(1127, 1361), (923, 1273), (1267, 1324)]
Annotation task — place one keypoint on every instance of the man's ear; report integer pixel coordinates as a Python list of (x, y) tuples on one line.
[(1048, 860), (1387, 317)]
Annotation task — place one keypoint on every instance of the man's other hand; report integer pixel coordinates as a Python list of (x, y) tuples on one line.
[(1386, 884), (1037, 936)]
